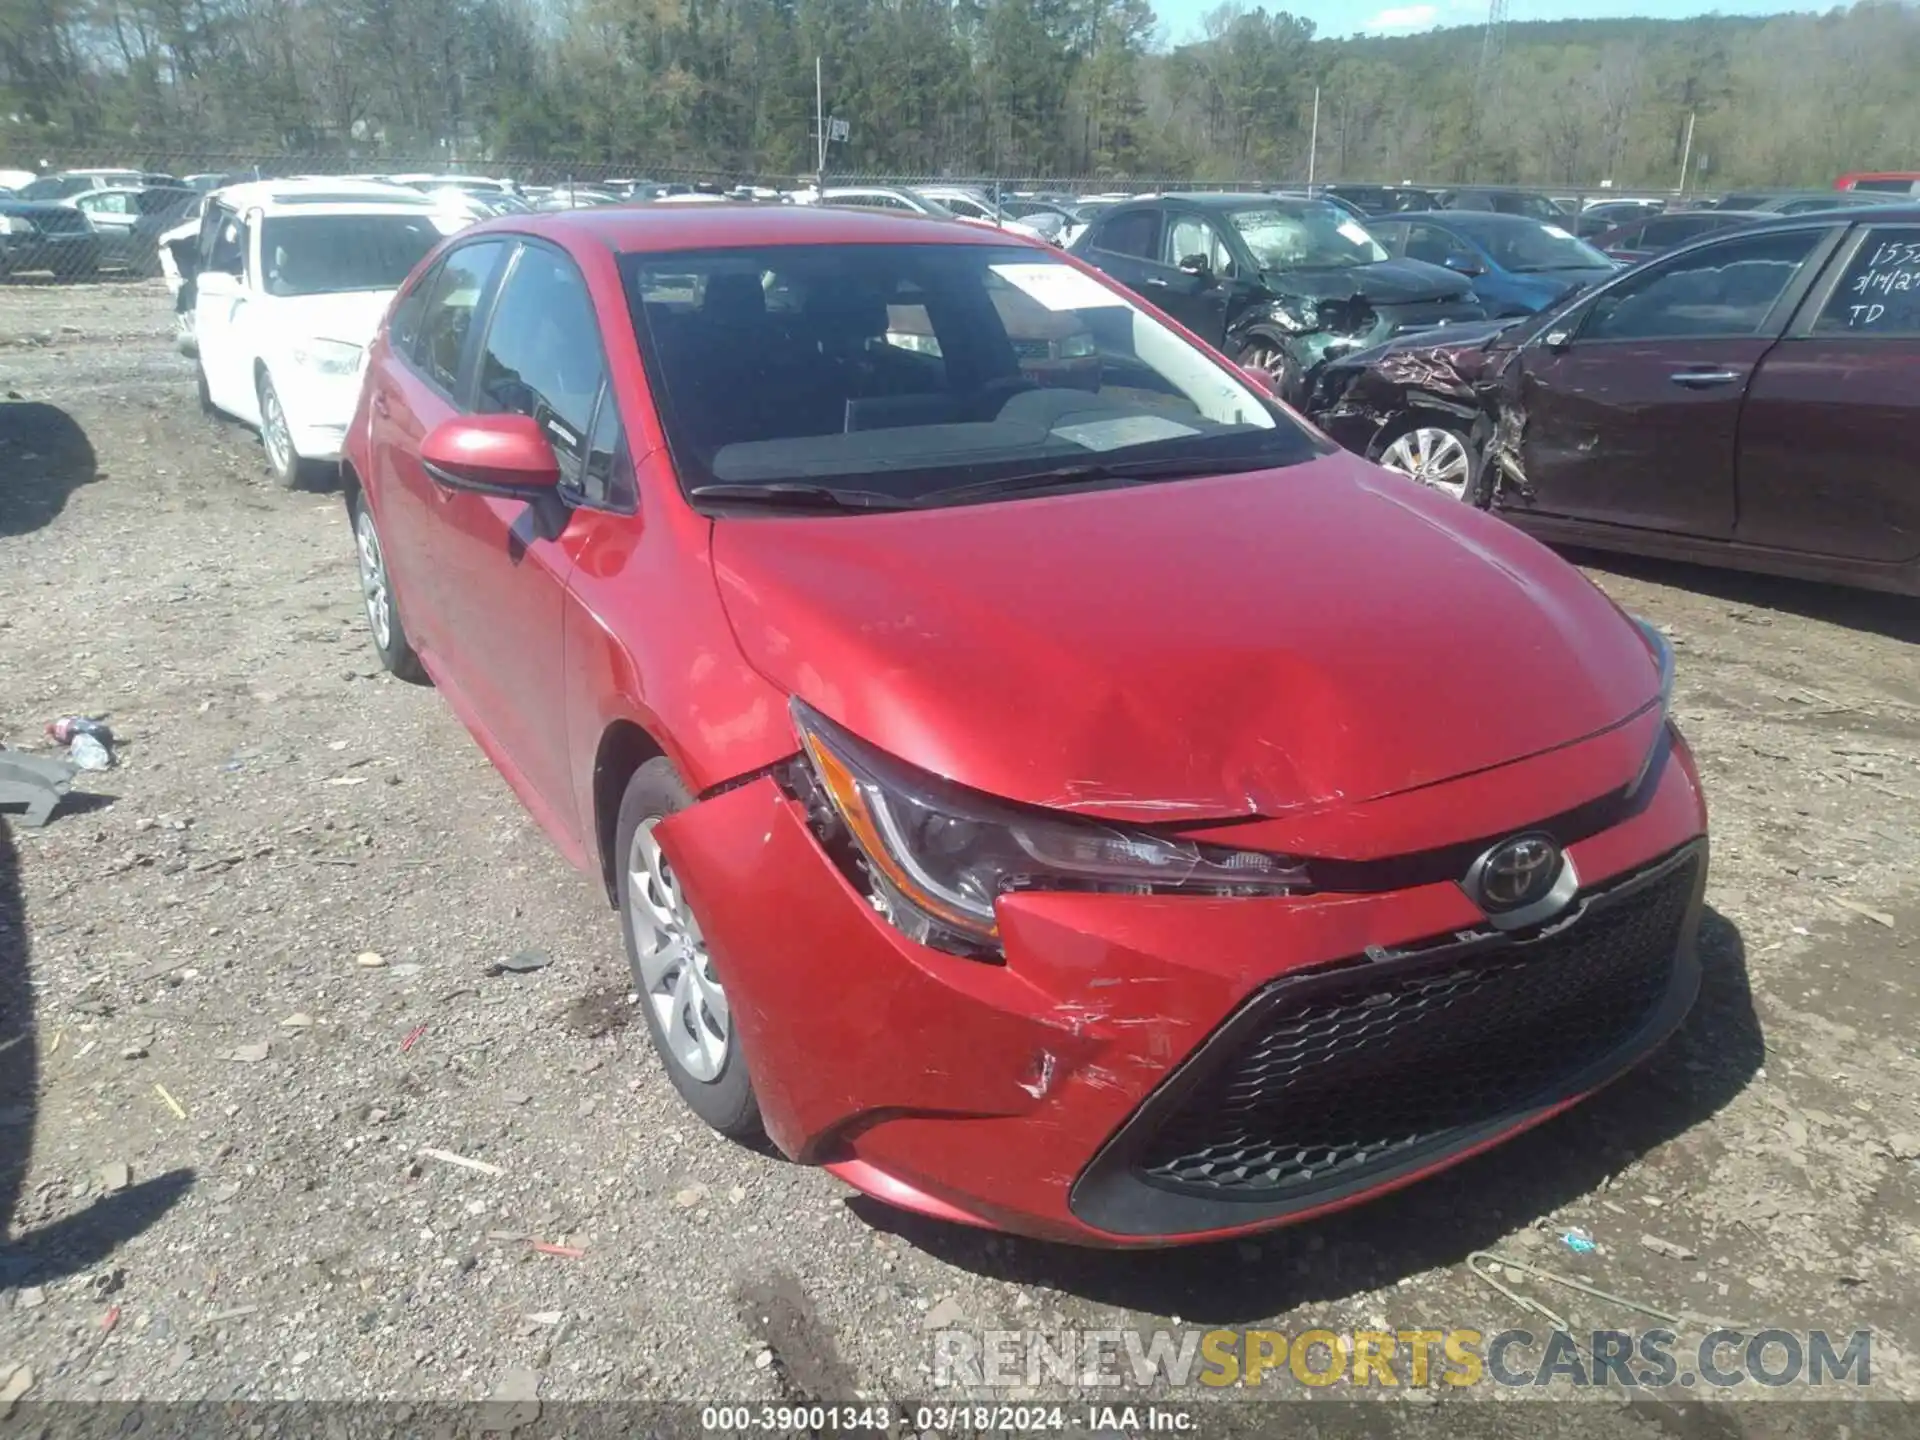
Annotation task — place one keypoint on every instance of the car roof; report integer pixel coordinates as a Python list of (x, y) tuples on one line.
[(305, 195), (648, 228), (1475, 219)]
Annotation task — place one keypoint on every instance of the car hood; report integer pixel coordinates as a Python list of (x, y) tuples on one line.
[(1386, 282), (350, 316), (1237, 645)]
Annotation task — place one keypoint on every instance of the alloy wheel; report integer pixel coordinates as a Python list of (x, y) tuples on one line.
[(274, 432), (373, 578), (676, 972), (1434, 457)]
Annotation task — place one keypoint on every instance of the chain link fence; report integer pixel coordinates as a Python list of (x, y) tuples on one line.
[(87, 215)]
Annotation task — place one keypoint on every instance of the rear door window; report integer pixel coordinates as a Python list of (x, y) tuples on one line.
[(1879, 292), (1136, 233)]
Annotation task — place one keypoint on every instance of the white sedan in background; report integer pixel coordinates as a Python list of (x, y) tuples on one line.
[(286, 283)]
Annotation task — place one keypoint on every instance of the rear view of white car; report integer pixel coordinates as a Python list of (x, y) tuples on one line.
[(286, 283)]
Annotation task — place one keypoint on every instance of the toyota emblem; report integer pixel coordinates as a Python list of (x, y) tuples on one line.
[(1515, 874)]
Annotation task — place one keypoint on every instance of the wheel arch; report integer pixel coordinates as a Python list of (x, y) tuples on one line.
[(623, 748)]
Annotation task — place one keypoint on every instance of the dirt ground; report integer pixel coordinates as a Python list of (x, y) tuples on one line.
[(213, 1146)]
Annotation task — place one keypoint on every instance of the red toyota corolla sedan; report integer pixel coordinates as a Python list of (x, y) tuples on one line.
[(1086, 805)]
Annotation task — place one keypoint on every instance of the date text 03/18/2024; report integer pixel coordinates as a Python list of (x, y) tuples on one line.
[(949, 1419)]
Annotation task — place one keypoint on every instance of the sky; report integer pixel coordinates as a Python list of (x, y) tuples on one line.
[(1181, 18)]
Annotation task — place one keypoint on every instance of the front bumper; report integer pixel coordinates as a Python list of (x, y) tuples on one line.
[(1041, 1096)]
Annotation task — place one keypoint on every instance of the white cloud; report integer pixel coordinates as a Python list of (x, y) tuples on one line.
[(1402, 17)]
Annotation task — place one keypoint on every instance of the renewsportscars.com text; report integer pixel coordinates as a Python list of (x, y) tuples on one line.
[(1380, 1359)]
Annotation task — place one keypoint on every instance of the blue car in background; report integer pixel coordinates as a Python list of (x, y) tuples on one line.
[(1518, 264)]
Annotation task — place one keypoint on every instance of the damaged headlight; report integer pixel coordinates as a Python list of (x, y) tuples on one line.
[(938, 855), (1297, 314)]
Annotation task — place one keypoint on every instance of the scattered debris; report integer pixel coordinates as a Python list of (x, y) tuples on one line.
[(546, 1318), (370, 960), (1905, 1146), (514, 1401), (89, 743), (1879, 917), (1578, 1241), (763, 1360), (115, 1176), (171, 1103), (524, 963), (691, 1196), (565, 1252), (35, 783), (252, 1054), (18, 1381), (413, 1039), (236, 1312), (299, 1020), (736, 1194), (1667, 1248), (449, 1158), (1491, 1268), (944, 1316), (30, 1297), (110, 1319)]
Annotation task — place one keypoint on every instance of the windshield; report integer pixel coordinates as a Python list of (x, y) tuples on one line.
[(1527, 245), (328, 254), (1305, 237), (893, 371)]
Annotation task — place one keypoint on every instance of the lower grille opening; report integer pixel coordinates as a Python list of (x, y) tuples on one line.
[(1365, 1067)]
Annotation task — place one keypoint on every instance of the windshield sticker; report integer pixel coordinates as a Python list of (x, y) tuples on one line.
[(1127, 430), (1058, 287), (1557, 233)]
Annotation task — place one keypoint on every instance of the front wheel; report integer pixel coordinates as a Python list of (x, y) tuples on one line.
[(1267, 356), (686, 1007), (1433, 455), (376, 591), (276, 438)]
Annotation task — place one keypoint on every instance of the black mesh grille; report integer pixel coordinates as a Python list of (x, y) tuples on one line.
[(1346, 1080)]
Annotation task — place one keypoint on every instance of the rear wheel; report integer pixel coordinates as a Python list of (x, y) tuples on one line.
[(1438, 457), (1267, 356), (686, 1007)]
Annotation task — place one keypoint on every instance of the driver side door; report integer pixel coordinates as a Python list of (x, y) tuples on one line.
[(1631, 402)]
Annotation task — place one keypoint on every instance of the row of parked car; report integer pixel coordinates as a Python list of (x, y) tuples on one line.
[(1455, 346)]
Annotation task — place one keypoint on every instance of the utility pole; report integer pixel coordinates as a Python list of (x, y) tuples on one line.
[(820, 127), (1686, 155), (1313, 140)]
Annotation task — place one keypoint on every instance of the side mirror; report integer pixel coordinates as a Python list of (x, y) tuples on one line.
[(1464, 265), (1196, 265), (502, 455)]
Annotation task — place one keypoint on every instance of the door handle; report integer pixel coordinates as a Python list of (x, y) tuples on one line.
[(1154, 282), (1702, 379)]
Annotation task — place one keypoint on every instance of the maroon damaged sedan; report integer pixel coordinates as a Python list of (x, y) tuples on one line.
[(1748, 400)]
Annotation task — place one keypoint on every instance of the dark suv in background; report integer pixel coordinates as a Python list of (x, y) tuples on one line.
[(1277, 283)]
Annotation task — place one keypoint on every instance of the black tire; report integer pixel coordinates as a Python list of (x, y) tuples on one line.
[(395, 651), (726, 1102), (284, 464)]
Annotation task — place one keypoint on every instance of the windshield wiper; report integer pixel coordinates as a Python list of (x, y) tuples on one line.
[(798, 495), (1089, 474)]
